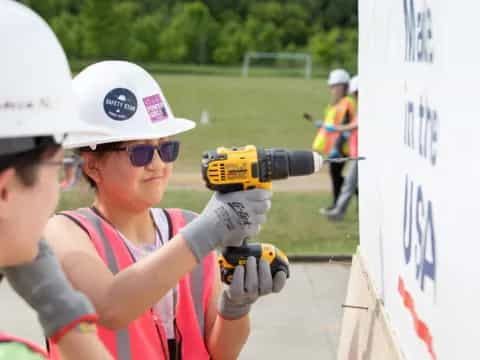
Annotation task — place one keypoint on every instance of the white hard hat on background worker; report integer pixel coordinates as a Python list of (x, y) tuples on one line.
[(338, 76), (36, 97), (126, 99)]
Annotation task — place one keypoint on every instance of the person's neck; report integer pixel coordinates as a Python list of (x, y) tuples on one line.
[(135, 224), (336, 99)]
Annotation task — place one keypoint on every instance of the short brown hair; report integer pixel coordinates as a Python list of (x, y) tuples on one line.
[(99, 151), (26, 163)]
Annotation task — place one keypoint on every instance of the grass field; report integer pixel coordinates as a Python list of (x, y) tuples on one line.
[(294, 223), (261, 111)]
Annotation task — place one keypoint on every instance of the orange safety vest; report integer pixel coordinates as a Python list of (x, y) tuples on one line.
[(325, 141), (145, 338), (5, 338), (353, 140)]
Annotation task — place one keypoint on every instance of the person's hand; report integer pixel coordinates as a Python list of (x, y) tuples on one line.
[(227, 220), (307, 116), (334, 153), (318, 123), (249, 282), (330, 128), (43, 285)]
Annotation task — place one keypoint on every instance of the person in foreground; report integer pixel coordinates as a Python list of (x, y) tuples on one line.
[(36, 114), (152, 272)]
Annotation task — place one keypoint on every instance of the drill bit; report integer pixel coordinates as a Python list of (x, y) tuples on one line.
[(344, 159)]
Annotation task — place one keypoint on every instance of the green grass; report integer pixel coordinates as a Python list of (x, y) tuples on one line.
[(294, 224), (261, 111)]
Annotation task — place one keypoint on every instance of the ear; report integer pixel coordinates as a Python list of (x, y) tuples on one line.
[(7, 186), (91, 168)]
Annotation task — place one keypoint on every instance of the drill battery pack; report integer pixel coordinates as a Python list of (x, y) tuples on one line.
[(234, 256)]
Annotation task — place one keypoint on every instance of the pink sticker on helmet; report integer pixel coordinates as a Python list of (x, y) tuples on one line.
[(155, 107)]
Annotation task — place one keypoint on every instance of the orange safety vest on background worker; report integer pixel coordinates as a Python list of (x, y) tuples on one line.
[(325, 141), (145, 338), (353, 139)]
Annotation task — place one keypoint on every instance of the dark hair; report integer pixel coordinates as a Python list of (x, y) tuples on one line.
[(26, 163), (345, 89), (99, 151)]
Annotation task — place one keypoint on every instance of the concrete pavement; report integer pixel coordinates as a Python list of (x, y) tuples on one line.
[(302, 322)]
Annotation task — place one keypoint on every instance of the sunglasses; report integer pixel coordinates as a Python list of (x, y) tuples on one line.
[(70, 171), (142, 154)]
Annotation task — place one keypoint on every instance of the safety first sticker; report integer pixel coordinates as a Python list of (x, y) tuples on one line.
[(120, 104), (155, 108)]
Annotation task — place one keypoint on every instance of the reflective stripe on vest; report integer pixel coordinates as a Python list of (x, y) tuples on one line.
[(145, 337), (35, 349), (334, 114), (121, 336)]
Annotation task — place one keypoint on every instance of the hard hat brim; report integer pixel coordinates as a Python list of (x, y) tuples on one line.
[(333, 83), (160, 130), (72, 130)]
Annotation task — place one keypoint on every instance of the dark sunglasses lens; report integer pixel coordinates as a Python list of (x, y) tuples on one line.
[(168, 151), (141, 155)]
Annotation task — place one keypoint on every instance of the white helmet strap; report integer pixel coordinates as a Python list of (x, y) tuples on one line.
[(59, 138)]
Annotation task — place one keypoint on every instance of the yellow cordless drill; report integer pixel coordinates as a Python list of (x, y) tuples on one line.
[(250, 167)]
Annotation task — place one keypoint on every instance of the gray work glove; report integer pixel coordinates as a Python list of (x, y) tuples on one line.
[(43, 285), (227, 220), (248, 284)]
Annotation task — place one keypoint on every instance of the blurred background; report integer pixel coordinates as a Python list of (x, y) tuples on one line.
[(202, 32)]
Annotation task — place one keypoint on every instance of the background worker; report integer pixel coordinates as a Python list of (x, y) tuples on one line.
[(152, 273), (350, 185), (36, 113), (329, 142)]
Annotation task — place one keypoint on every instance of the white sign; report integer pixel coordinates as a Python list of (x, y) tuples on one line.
[(419, 117)]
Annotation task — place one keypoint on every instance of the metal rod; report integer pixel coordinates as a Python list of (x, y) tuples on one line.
[(344, 159), (354, 307)]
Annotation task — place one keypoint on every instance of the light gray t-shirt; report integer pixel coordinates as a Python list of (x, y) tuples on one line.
[(165, 308)]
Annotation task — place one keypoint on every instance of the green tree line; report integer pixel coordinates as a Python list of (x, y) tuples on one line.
[(203, 32)]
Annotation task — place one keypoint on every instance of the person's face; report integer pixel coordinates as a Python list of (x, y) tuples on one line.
[(119, 182), (337, 92), (25, 210)]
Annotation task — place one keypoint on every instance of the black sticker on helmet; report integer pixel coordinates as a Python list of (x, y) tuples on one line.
[(120, 104)]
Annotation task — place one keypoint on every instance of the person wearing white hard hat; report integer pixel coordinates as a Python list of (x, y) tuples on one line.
[(327, 141), (37, 114), (152, 273), (350, 185)]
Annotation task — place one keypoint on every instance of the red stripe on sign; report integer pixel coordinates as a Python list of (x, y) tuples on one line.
[(420, 327)]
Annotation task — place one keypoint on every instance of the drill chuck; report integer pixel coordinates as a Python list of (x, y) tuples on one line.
[(285, 163)]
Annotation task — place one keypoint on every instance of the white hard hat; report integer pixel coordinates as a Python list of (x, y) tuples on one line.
[(353, 86), (127, 100), (338, 76), (36, 97)]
